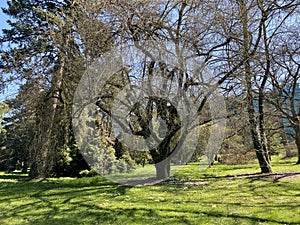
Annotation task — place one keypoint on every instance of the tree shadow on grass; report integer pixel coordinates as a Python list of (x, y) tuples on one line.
[(142, 215), (79, 201), (33, 200), (254, 176), (16, 176), (272, 176), (54, 188)]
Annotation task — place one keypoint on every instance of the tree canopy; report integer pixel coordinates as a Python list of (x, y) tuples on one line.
[(191, 61)]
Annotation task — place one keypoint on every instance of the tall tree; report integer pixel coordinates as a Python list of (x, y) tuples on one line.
[(20, 123), (49, 44), (258, 134), (204, 28), (39, 49), (285, 76), (259, 21)]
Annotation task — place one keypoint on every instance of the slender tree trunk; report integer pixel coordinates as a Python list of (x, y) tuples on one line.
[(261, 97), (297, 139), (46, 147), (261, 156), (284, 140), (298, 148), (254, 126), (25, 167)]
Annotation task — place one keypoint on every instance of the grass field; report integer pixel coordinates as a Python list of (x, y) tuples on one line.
[(219, 195)]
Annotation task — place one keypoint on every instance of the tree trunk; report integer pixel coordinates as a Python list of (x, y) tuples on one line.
[(284, 140), (257, 136), (25, 167), (287, 148), (46, 152), (33, 172), (162, 170), (263, 161), (298, 148), (265, 166), (297, 139)]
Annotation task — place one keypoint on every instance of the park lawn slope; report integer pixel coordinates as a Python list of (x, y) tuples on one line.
[(219, 195)]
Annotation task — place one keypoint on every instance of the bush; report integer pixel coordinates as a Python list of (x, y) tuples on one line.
[(237, 158)]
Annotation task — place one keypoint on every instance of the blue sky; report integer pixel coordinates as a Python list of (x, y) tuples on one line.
[(11, 89), (3, 17)]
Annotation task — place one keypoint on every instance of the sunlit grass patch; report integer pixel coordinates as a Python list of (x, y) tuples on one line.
[(216, 195)]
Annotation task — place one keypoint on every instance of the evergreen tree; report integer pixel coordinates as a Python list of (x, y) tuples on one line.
[(40, 50)]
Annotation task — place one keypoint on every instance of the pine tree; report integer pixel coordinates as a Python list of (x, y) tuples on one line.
[(41, 50), (48, 47)]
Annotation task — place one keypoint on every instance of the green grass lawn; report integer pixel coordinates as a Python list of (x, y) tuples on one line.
[(219, 195)]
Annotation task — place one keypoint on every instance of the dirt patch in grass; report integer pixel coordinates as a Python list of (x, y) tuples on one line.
[(180, 183), (284, 176), (271, 176)]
